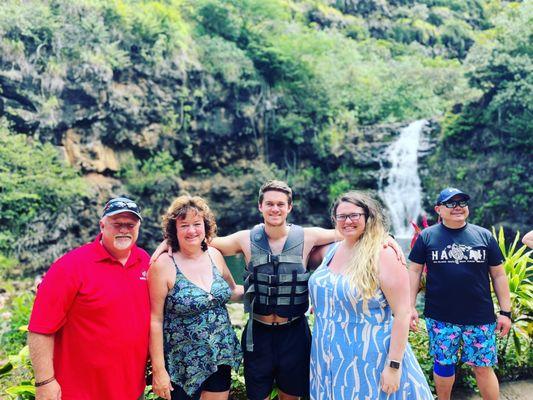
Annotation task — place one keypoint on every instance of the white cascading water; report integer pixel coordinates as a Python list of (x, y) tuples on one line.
[(403, 194)]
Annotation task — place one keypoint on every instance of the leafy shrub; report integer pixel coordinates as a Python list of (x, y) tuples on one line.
[(519, 269), (34, 180), (14, 317), (18, 368)]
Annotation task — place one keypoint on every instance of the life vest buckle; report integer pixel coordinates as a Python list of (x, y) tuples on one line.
[(274, 259)]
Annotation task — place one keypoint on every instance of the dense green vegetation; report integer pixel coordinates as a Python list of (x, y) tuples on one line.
[(153, 98), (487, 142), (37, 187)]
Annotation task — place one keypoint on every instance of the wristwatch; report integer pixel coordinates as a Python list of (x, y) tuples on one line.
[(394, 364), (506, 314)]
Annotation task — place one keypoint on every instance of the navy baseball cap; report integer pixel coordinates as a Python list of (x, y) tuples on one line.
[(119, 205), (448, 193)]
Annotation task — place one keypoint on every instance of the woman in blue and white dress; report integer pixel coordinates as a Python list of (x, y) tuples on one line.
[(359, 350)]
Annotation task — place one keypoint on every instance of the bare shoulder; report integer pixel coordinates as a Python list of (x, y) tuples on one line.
[(214, 251), (389, 262), (216, 254), (163, 266)]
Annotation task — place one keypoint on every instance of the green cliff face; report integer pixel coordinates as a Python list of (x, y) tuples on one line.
[(153, 98), (486, 145)]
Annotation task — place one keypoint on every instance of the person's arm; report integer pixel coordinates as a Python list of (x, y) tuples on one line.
[(231, 244), (54, 299), (415, 272), (501, 288), (237, 291), (319, 236), (394, 282), (42, 356), (528, 239), (158, 288)]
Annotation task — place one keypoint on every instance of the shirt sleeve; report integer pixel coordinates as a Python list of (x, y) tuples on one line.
[(54, 298), (418, 252), (495, 256)]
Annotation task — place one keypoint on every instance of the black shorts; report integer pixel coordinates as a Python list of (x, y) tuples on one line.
[(219, 381), (281, 356)]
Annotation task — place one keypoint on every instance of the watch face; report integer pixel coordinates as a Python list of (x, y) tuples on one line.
[(394, 364)]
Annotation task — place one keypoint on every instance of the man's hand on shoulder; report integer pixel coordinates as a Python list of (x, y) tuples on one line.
[(162, 248), (390, 242)]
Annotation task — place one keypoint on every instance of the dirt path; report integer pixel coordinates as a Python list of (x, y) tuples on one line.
[(520, 390)]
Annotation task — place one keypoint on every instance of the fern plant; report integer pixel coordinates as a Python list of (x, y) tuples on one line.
[(519, 269)]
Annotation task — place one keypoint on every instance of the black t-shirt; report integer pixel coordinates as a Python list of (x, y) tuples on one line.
[(458, 263)]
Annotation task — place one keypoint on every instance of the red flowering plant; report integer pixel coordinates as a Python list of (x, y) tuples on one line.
[(418, 230)]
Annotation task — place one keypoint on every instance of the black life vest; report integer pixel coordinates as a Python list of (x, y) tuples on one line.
[(276, 283)]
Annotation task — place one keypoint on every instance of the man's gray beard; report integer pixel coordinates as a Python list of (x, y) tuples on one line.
[(120, 243)]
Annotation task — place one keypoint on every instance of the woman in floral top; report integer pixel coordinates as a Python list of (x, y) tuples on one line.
[(192, 344)]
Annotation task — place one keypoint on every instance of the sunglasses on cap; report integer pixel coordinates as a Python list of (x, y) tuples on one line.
[(116, 206)]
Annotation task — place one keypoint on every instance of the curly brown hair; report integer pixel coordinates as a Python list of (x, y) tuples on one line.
[(178, 210)]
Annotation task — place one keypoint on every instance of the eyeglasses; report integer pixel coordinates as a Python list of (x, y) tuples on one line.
[(354, 217), (453, 204), (119, 225), (120, 205)]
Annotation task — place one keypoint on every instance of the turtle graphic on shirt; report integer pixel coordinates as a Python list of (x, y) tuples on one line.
[(458, 252)]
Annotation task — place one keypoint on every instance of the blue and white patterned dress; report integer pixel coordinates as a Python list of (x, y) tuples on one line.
[(351, 342)]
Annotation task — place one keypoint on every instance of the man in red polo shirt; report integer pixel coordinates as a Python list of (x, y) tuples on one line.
[(91, 319)]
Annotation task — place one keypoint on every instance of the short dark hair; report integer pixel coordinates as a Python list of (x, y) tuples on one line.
[(278, 186), (178, 210)]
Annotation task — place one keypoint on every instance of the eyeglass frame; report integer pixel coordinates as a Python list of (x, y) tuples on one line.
[(354, 217)]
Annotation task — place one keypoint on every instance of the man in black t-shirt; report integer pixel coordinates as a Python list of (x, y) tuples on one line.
[(461, 261)]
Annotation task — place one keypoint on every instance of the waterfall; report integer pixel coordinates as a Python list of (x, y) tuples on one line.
[(403, 194)]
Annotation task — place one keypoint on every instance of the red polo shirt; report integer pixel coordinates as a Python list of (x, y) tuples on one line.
[(99, 311)]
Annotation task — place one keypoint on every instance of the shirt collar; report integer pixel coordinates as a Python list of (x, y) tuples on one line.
[(101, 254)]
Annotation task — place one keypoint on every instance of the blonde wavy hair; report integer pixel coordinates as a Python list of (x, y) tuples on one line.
[(178, 210), (362, 270)]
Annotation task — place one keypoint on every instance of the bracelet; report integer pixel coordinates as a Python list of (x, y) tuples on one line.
[(42, 383)]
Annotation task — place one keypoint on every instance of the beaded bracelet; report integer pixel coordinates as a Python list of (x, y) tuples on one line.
[(42, 383)]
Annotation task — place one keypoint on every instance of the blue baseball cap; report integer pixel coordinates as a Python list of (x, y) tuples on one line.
[(119, 205), (448, 193)]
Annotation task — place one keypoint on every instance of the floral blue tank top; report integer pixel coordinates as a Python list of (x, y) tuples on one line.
[(197, 332)]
